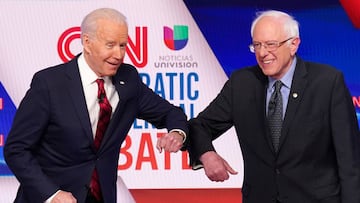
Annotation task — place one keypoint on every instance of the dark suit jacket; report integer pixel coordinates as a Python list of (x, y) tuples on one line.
[(318, 159), (50, 146)]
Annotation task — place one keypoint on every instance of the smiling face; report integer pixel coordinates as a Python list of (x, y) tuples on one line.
[(275, 63), (105, 51)]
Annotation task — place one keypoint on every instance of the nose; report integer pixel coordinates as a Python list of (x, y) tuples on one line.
[(262, 51), (119, 53)]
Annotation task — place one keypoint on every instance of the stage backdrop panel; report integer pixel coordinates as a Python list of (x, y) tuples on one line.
[(166, 46)]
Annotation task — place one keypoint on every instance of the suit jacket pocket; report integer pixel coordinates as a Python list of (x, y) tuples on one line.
[(327, 191)]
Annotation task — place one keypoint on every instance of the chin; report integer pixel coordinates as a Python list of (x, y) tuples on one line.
[(267, 72)]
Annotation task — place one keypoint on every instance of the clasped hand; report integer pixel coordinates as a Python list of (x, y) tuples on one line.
[(170, 142), (216, 168)]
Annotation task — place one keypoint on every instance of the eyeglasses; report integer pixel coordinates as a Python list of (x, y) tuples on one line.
[(269, 45)]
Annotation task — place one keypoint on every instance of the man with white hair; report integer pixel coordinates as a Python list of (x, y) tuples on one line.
[(295, 122)]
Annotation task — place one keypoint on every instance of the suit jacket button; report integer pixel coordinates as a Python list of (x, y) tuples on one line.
[(277, 171)]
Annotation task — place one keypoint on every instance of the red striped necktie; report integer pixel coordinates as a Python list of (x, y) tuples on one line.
[(104, 119)]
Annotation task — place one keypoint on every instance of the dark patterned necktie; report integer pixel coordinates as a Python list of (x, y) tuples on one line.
[(275, 115), (104, 119)]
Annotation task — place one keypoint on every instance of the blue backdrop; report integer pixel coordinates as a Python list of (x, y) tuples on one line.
[(327, 34)]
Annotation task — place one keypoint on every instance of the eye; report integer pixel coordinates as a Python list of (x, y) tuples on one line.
[(123, 46), (256, 45), (109, 45), (271, 44)]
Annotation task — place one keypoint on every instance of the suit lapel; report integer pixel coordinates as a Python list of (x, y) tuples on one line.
[(77, 96), (298, 85), (261, 105), (120, 81)]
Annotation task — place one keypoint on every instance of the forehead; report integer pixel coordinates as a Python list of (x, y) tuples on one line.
[(112, 30), (268, 28)]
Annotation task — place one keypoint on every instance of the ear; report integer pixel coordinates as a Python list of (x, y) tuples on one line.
[(294, 45), (86, 43)]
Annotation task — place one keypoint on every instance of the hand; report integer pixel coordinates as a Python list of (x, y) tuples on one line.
[(170, 142), (63, 197), (216, 168)]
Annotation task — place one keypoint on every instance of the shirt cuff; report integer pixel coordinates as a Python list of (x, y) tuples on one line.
[(52, 197)]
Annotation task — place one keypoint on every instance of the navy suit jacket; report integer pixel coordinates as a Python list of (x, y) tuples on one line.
[(318, 158), (50, 145)]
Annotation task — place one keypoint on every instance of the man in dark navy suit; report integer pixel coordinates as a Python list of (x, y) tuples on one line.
[(51, 148)]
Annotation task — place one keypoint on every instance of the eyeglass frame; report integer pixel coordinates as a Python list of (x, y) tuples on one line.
[(266, 45)]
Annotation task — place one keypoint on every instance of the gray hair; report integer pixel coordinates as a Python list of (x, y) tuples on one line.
[(290, 25), (89, 23)]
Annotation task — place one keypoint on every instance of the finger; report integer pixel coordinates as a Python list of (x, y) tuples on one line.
[(218, 175), (169, 143), (229, 168), (225, 176), (158, 145), (175, 146), (221, 178)]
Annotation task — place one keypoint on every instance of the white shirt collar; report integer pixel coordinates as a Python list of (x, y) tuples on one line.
[(88, 76)]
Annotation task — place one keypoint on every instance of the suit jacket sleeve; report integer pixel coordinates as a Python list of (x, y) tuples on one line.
[(157, 110), (29, 124), (345, 131), (210, 124)]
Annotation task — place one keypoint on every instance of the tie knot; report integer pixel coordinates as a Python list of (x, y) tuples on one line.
[(278, 84), (100, 83)]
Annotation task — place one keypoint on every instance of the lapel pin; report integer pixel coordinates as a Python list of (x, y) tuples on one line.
[(295, 95), (122, 82)]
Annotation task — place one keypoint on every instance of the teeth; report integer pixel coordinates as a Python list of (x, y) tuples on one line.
[(267, 62)]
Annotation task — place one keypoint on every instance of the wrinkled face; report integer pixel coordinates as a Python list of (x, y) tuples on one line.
[(105, 51), (274, 63)]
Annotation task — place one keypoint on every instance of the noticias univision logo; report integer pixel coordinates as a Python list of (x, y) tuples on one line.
[(177, 38)]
